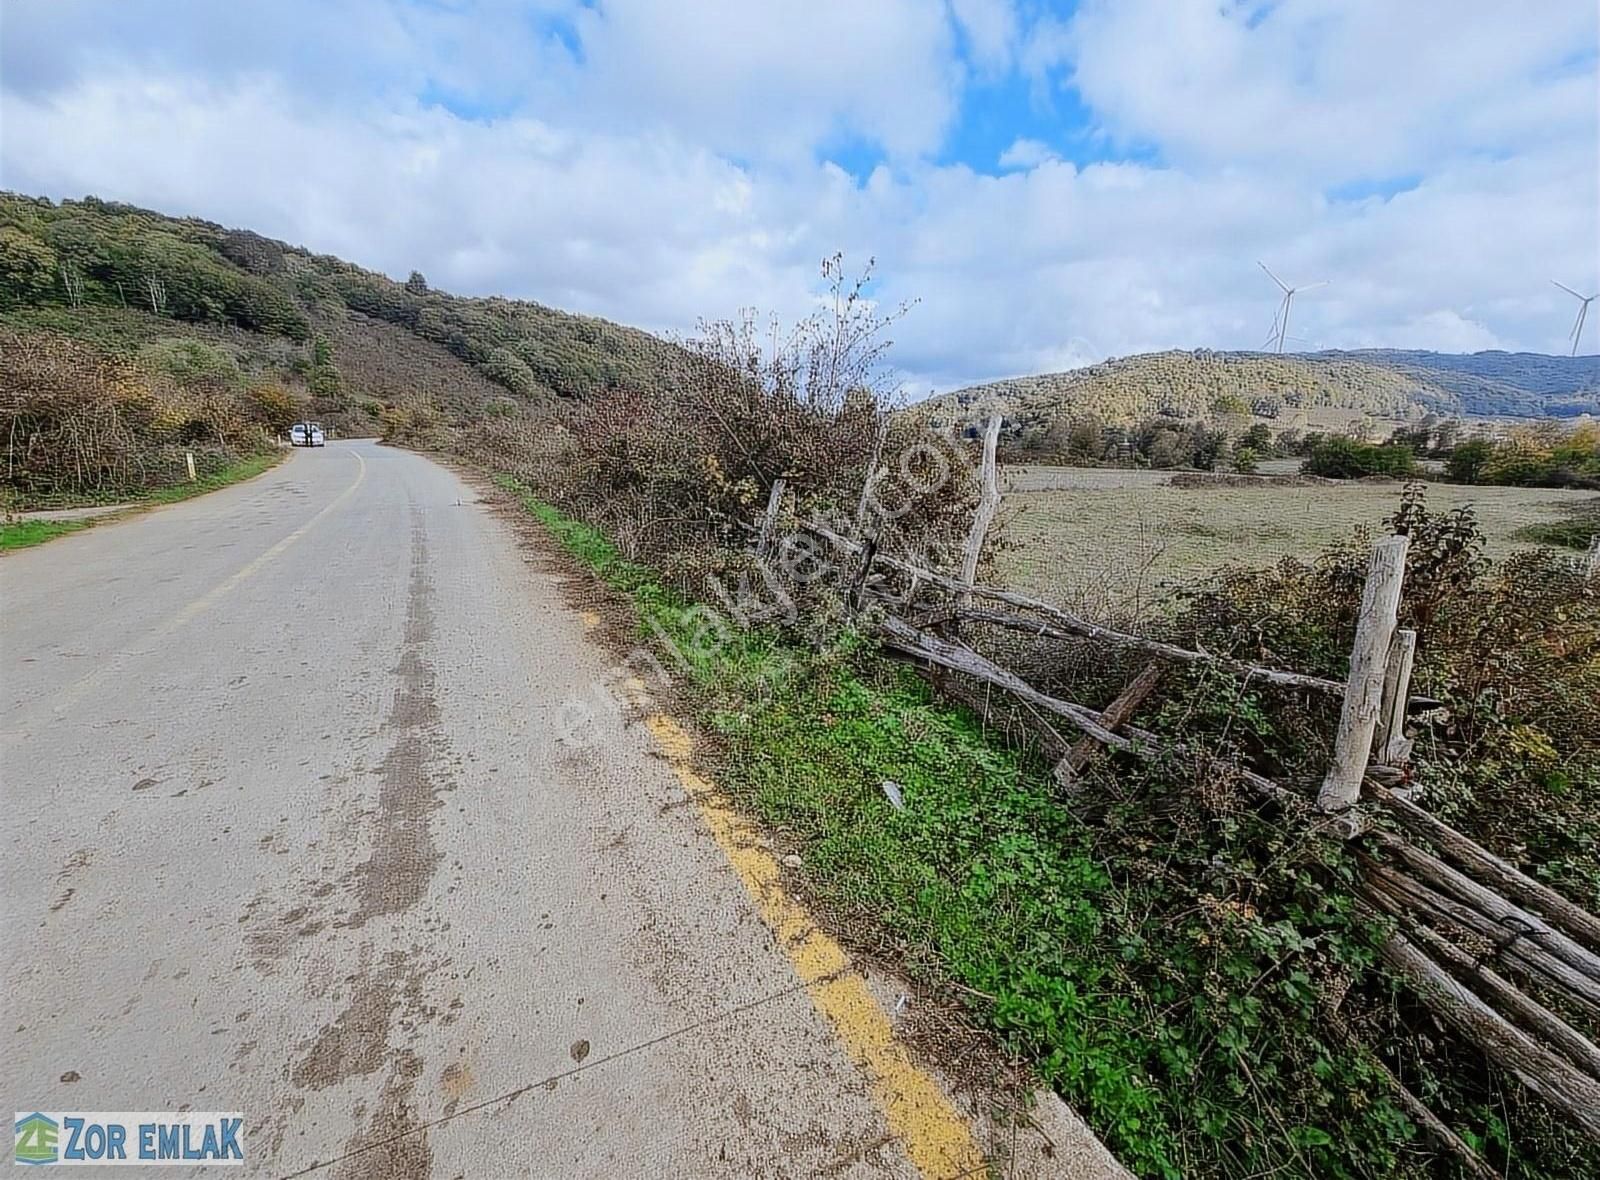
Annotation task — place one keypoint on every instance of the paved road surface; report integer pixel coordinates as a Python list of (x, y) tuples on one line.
[(286, 833)]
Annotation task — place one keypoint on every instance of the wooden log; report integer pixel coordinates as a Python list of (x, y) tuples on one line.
[(1434, 872), (988, 504), (1389, 740), (770, 521), (1474, 1163), (1551, 1077), (1112, 717), (1068, 625), (1363, 694), (1533, 1016), (957, 657), (1499, 874), (1409, 899)]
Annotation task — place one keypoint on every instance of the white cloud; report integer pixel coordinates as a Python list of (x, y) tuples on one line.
[(1025, 153), (991, 29), (656, 192), (1332, 88)]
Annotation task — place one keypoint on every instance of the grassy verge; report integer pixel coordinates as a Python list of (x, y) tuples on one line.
[(25, 533), (247, 468), (1179, 1011)]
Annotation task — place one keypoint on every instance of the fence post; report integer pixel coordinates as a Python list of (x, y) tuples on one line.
[(774, 502), (1390, 741), (988, 503), (188, 461), (1363, 694), (1591, 561)]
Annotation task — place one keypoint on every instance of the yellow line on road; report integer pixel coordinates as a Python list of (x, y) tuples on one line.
[(74, 692), (936, 1138)]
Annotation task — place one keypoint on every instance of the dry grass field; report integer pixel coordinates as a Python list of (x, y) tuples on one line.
[(1105, 540)]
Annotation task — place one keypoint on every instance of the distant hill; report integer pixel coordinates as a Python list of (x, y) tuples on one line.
[(122, 279), (1379, 383), (1497, 384)]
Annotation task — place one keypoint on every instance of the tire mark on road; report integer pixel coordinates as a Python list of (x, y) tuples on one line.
[(396, 875)]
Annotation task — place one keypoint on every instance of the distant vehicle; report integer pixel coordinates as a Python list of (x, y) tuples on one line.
[(306, 434)]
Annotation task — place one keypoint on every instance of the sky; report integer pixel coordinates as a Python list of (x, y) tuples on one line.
[(1053, 183)]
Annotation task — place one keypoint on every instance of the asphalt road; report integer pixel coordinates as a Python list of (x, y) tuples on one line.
[(287, 833)]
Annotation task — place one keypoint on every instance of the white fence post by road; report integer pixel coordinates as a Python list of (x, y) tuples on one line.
[(188, 461), (1369, 658)]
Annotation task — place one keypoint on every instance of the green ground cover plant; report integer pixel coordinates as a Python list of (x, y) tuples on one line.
[(1163, 947), (23, 534)]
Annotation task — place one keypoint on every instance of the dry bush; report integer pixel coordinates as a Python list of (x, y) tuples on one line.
[(681, 478), (76, 424)]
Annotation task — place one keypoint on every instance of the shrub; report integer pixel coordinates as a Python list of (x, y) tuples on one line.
[(191, 363), (510, 370), (680, 476), (78, 424), (276, 406), (323, 376), (1348, 458)]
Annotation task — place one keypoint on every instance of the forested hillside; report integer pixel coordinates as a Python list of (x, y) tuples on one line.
[(218, 337), (66, 266), (1205, 384)]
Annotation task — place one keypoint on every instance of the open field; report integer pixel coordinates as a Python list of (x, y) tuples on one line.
[(1101, 539)]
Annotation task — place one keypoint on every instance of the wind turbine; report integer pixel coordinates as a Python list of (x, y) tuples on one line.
[(1280, 323), (1583, 310)]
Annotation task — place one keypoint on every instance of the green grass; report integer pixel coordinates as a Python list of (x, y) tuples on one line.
[(1184, 1028), (1103, 545), (1576, 533), (247, 468), (24, 533)]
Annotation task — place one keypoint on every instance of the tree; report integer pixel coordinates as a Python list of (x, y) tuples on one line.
[(1258, 438), (156, 290), (1244, 461), (416, 284), (1208, 447), (27, 265), (323, 380), (1467, 461), (72, 283)]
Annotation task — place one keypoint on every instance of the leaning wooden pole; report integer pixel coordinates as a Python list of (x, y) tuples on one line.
[(1548, 1075), (1523, 1009), (1363, 694), (1500, 874), (988, 504)]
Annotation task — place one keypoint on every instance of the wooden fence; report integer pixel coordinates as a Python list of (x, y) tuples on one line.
[(1482, 944)]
